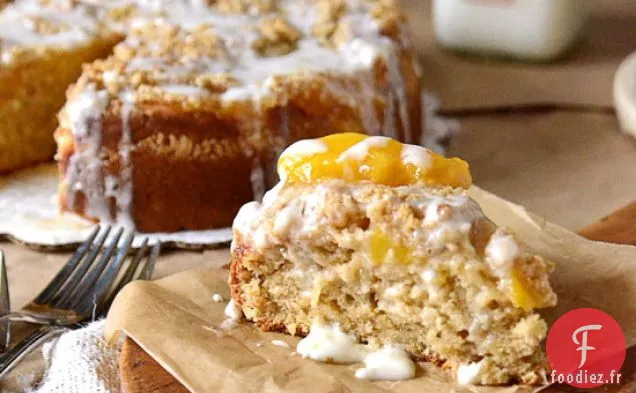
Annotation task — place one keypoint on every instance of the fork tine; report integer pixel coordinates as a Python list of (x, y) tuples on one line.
[(127, 277), (67, 287), (5, 306), (105, 281), (62, 276), (147, 270), (134, 264), (84, 287)]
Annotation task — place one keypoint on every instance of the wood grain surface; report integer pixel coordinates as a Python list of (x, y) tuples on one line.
[(141, 374), (619, 227)]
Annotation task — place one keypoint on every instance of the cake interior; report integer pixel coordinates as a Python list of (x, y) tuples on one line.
[(31, 94), (400, 266)]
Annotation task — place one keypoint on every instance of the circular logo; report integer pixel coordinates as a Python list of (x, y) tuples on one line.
[(586, 348)]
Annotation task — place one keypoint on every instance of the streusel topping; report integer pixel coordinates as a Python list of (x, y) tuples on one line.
[(201, 54), (233, 49), (29, 27), (277, 37)]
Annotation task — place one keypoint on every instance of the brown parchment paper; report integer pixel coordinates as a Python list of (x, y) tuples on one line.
[(582, 78), (570, 167), (177, 322)]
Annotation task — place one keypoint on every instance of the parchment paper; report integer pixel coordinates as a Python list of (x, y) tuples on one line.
[(570, 167), (583, 78), (176, 320)]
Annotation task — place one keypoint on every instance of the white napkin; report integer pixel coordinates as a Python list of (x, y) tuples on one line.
[(79, 361)]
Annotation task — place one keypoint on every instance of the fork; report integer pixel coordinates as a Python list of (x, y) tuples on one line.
[(5, 305), (83, 290), (85, 280)]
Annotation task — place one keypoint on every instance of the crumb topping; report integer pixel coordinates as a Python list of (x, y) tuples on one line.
[(159, 56), (190, 51), (171, 43), (327, 22), (32, 27), (243, 6), (74, 22), (387, 14), (277, 37), (122, 13)]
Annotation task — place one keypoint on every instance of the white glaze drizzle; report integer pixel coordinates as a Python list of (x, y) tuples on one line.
[(330, 344), (253, 73), (123, 198), (84, 167), (233, 311), (416, 155), (469, 373), (18, 20), (390, 363), (217, 298), (280, 343), (360, 150)]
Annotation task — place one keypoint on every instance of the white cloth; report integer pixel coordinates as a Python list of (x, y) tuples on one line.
[(80, 361)]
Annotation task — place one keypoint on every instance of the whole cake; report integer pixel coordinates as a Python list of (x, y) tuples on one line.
[(182, 123), (377, 241)]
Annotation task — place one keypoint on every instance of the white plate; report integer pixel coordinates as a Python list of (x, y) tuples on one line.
[(29, 214)]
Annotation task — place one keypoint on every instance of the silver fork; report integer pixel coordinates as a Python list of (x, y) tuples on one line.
[(84, 281), (83, 290), (5, 305)]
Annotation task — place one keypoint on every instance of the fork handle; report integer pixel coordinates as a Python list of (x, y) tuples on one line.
[(22, 317), (11, 358)]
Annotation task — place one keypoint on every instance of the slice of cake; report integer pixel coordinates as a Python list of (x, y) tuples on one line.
[(43, 44), (379, 241), (183, 123)]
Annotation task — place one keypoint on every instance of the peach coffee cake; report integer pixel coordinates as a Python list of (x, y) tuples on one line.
[(366, 240), (182, 106)]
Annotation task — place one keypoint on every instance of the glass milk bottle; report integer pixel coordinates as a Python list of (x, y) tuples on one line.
[(534, 30)]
